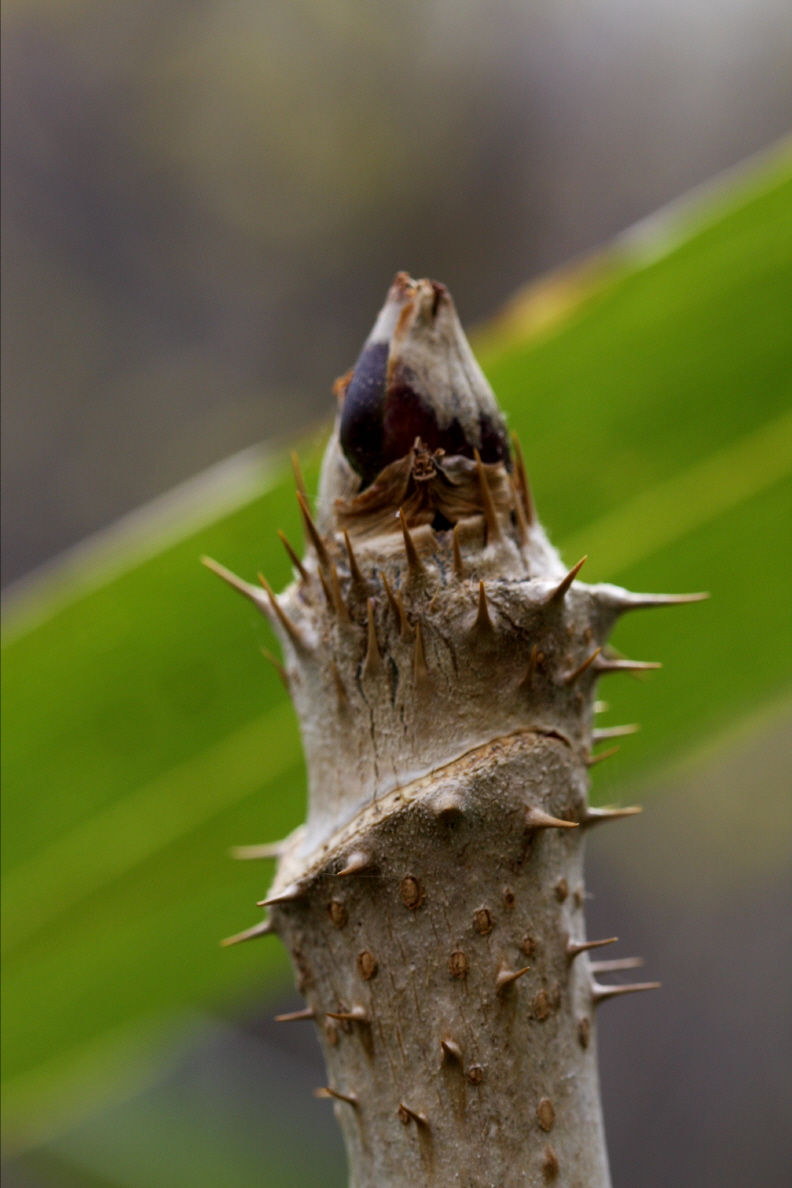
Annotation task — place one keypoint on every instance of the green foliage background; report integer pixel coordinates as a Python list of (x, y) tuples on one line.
[(144, 734)]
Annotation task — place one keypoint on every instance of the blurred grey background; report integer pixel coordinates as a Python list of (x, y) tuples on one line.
[(205, 200)]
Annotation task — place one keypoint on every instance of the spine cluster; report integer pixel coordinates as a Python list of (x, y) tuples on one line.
[(444, 673)]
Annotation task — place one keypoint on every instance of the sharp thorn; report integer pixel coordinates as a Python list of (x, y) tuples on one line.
[(617, 965), (605, 664), (298, 475), (581, 668), (490, 515), (313, 532), (276, 664), (406, 631), (415, 566), (536, 818), (265, 928), (328, 593), (296, 1016), (483, 623), (357, 861), (451, 1049), (595, 816), (507, 976), (252, 853), (523, 485), (338, 598), (391, 597), (236, 583), (420, 671), (527, 680), (356, 1015), (613, 732), (326, 1091), (519, 513), (575, 947), (354, 569), (295, 560), (601, 707), (284, 620), (629, 601), (373, 660), (407, 1115), (341, 692), (287, 895), (593, 760), (459, 568), (600, 993), (557, 595)]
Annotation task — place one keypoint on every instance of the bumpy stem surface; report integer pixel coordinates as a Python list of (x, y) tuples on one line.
[(443, 663)]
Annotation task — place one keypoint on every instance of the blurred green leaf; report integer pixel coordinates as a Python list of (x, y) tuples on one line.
[(144, 733)]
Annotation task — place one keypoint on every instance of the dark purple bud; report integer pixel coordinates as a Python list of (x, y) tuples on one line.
[(417, 377)]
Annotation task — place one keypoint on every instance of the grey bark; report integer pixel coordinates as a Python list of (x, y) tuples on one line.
[(433, 901)]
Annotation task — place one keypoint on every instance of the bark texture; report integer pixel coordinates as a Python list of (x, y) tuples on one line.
[(443, 665)]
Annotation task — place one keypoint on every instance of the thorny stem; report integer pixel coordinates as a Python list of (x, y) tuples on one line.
[(433, 901)]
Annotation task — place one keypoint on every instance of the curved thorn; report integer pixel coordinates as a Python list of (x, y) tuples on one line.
[(356, 1015), (575, 947), (296, 1016), (601, 707), (600, 993), (287, 895), (557, 595), (276, 664), (593, 760), (617, 965), (265, 928), (313, 532), (606, 732), (338, 598), (326, 1091), (253, 853), (354, 569), (596, 816), (519, 513), (523, 485), (507, 976), (295, 560), (373, 659), (451, 1049), (536, 818), (490, 515), (483, 623), (458, 566), (357, 861), (406, 1114), (298, 475), (420, 671), (236, 583), (581, 668), (415, 566), (284, 620), (604, 664)]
